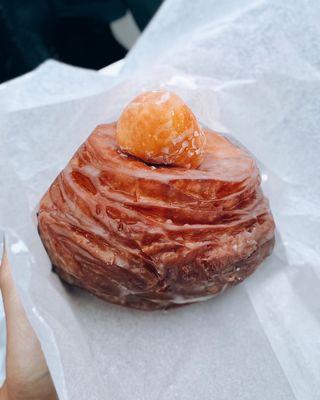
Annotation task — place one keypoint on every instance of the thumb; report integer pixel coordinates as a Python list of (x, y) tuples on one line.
[(18, 327), (11, 302), (26, 369)]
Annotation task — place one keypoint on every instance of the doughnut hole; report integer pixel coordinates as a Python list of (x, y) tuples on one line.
[(159, 128)]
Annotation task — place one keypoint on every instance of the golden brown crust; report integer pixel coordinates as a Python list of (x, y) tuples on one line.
[(151, 237)]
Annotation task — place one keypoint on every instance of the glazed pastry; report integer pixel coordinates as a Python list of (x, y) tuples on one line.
[(155, 211)]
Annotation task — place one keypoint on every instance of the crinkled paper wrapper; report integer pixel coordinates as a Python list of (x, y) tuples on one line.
[(247, 68)]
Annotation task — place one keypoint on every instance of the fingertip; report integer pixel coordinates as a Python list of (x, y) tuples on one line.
[(4, 259), (3, 249), (4, 267)]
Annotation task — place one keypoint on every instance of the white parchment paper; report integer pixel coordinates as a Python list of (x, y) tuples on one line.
[(251, 68)]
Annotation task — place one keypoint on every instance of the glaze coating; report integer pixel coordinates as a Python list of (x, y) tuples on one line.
[(153, 237)]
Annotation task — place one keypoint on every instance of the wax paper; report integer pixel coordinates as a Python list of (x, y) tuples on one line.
[(248, 68)]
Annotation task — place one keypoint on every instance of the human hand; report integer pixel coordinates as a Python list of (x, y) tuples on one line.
[(27, 374)]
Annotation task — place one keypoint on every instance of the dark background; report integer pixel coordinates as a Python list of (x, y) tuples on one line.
[(76, 32)]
